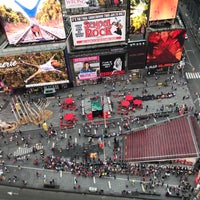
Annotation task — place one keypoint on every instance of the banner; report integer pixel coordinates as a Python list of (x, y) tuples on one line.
[(98, 28), (86, 68), (32, 21), (112, 64), (32, 70)]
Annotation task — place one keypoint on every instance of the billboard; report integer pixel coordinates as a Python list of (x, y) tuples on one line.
[(93, 5), (98, 28), (163, 10), (165, 46), (35, 69), (86, 68), (137, 55), (76, 3), (138, 16), (112, 64), (32, 21)]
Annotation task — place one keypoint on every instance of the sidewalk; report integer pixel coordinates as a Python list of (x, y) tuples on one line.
[(36, 175)]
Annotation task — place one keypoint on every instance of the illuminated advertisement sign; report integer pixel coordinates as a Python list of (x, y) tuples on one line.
[(138, 16), (112, 64), (91, 5), (162, 10), (137, 55), (86, 68), (32, 21), (36, 69), (165, 46), (98, 28), (76, 3)]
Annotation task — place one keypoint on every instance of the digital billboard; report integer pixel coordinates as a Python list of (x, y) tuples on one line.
[(98, 28), (137, 55), (76, 3), (86, 68), (112, 64), (32, 21), (91, 4), (138, 16), (163, 10), (35, 69), (165, 46)]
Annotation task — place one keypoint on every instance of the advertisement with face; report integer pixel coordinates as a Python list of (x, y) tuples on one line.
[(86, 68), (165, 46), (98, 28), (112, 64), (32, 70), (163, 10), (32, 21), (138, 16)]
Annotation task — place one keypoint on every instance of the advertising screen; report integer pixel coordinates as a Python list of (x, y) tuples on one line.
[(36, 69), (86, 68), (138, 16), (92, 5), (98, 28), (112, 64), (32, 21), (165, 46), (76, 3), (137, 57), (162, 10)]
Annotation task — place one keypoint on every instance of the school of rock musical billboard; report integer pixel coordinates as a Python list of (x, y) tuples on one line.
[(165, 46), (35, 69), (32, 21), (163, 10), (94, 67), (98, 28)]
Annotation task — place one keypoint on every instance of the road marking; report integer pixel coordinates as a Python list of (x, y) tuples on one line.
[(109, 184), (192, 75)]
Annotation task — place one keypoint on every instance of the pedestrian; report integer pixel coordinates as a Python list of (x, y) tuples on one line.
[(146, 109)]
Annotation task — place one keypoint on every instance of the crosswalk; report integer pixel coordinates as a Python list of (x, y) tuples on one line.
[(25, 150), (192, 75)]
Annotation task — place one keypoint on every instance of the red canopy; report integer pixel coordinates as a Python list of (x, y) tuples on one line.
[(125, 103), (129, 97), (69, 100), (137, 102), (69, 117)]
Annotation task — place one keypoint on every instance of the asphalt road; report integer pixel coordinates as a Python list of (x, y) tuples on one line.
[(7, 193)]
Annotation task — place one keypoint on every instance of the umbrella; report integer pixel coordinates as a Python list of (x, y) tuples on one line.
[(137, 102), (125, 103), (69, 117), (69, 100), (129, 97)]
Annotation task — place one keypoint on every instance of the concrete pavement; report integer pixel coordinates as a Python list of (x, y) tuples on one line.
[(36, 175)]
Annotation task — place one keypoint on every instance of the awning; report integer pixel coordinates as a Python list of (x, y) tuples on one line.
[(69, 101), (129, 97), (137, 102), (69, 117), (125, 103)]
